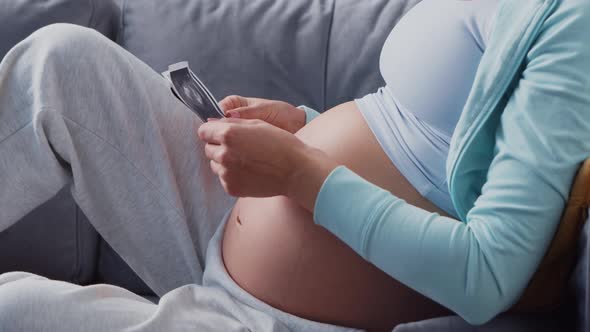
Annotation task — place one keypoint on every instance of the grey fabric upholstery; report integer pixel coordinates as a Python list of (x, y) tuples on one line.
[(303, 52), (19, 18), (52, 241), (111, 269), (55, 240), (266, 48)]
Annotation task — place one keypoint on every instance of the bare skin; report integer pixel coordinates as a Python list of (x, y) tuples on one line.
[(273, 250)]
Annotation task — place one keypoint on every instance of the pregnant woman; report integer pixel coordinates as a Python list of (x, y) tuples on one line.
[(438, 193)]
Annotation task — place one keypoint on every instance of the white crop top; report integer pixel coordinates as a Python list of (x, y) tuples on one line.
[(429, 63)]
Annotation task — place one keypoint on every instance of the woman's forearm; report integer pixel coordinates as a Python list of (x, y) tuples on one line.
[(313, 167)]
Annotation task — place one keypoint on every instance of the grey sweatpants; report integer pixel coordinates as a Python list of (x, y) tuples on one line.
[(77, 110)]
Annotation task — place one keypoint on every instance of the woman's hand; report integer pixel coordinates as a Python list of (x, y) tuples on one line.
[(255, 159), (277, 113)]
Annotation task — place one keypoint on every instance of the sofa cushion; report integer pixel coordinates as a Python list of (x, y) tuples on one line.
[(51, 241), (264, 48), (55, 240), (112, 269), (19, 18), (318, 53)]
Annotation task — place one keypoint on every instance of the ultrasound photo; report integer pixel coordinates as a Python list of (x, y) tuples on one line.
[(187, 87)]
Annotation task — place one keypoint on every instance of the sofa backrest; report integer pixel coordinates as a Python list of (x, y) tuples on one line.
[(314, 52), (19, 18)]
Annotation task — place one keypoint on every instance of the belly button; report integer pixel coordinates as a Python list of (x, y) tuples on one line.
[(238, 221)]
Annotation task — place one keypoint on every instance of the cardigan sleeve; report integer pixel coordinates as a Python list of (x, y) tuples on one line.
[(439, 257), (479, 268), (310, 113)]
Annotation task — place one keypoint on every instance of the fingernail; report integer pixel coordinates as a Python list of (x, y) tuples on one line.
[(233, 115)]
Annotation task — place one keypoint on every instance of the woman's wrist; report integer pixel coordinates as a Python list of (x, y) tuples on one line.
[(311, 168)]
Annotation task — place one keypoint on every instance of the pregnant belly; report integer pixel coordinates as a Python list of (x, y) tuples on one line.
[(273, 250)]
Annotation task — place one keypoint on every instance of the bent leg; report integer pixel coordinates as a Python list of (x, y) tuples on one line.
[(76, 109), (32, 303)]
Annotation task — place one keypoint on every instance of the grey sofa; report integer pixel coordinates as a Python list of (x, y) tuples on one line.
[(314, 52)]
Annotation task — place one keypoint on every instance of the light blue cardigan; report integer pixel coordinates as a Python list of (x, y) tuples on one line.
[(523, 134)]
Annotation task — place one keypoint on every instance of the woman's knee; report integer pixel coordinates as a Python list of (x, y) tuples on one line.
[(59, 63), (68, 38), (17, 297), (58, 49), (11, 277)]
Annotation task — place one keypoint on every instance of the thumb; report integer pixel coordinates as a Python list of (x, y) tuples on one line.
[(247, 112)]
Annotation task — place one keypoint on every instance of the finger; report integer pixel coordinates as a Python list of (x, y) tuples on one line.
[(216, 167), (248, 112), (228, 103), (232, 102), (235, 121), (233, 114), (213, 151), (217, 132), (213, 132)]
